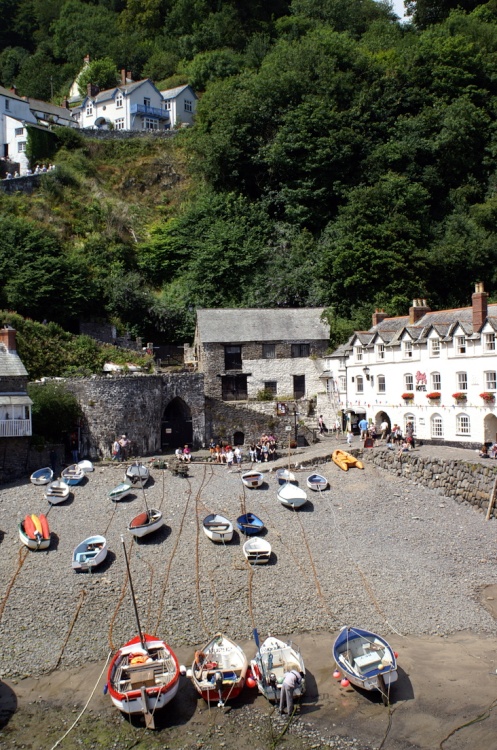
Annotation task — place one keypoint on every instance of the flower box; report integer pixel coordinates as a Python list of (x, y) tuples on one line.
[(434, 396), (486, 396), (408, 396), (460, 396)]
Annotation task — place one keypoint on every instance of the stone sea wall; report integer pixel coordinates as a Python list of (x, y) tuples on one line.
[(464, 481)]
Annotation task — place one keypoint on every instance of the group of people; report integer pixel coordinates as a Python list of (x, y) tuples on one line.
[(183, 454), (121, 448), (263, 450), (39, 169), (488, 452), (225, 454), (393, 436)]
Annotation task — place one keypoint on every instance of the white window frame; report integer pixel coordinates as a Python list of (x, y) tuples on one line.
[(436, 381), (150, 121), (359, 384), (119, 100), (21, 147), (358, 353), (436, 427), (380, 351), (168, 104), (407, 349), (188, 105), (146, 101), (434, 347), (462, 381), (409, 381), (119, 123), (463, 424), (461, 345), (342, 383), (410, 418), (89, 109), (19, 131), (491, 380), (489, 342), (381, 385)]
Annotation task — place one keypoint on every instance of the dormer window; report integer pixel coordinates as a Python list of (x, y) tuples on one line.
[(89, 108), (489, 342), (434, 347), (380, 351), (119, 100), (461, 344), (358, 353), (407, 350)]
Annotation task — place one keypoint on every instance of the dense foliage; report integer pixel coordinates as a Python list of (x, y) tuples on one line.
[(55, 410), (339, 158)]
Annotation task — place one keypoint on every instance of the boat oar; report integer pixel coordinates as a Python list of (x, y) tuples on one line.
[(142, 639)]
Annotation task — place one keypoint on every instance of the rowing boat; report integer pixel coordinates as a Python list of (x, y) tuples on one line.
[(345, 460), (249, 524), (119, 492), (57, 492), (146, 523), (252, 478), (72, 474), (218, 528), (273, 659), (89, 553), (317, 482), (292, 496), (218, 670), (42, 476), (34, 532), (257, 551)]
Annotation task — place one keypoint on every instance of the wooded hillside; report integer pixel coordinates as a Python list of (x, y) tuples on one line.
[(339, 158)]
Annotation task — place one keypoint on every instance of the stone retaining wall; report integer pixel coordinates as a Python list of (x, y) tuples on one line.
[(124, 135), (25, 184), (464, 481)]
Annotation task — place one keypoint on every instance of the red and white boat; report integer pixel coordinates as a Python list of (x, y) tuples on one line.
[(143, 676), (218, 670)]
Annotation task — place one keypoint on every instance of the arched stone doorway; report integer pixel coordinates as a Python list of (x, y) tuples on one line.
[(490, 428), (238, 438), (380, 417), (176, 428)]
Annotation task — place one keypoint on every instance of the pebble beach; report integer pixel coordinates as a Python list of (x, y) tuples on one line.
[(373, 550)]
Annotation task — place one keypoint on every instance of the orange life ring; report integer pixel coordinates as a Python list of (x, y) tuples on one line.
[(138, 658)]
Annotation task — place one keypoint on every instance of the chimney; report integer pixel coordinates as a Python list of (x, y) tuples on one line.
[(65, 102), (479, 303), (378, 316), (91, 89), (8, 338), (13, 90), (128, 75), (418, 309), (123, 75)]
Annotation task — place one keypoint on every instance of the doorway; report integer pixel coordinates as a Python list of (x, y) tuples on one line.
[(490, 428), (176, 427)]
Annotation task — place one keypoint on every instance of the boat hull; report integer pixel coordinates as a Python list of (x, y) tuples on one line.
[(291, 496), (372, 664), (217, 528), (252, 479), (72, 475), (249, 524), (317, 482), (222, 657), (119, 492), (146, 523), (32, 544), (257, 551), (163, 671), (275, 657), (346, 460), (42, 476), (285, 475), (89, 553), (138, 474)]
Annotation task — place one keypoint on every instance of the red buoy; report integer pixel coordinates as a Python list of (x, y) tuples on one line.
[(337, 674), (250, 682), (395, 653), (344, 682)]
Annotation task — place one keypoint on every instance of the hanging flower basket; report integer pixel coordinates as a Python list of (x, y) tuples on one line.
[(433, 396), (408, 396), (460, 396), (486, 396)]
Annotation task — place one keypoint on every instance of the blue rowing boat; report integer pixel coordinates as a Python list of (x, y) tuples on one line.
[(249, 524)]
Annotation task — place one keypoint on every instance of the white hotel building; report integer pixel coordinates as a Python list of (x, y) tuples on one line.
[(435, 369)]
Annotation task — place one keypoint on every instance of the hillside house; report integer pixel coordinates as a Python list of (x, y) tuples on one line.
[(15, 404), (181, 103), (14, 115), (244, 351), (128, 106), (436, 369)]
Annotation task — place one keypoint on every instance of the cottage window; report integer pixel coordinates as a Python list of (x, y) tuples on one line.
[(408, 382), (358, 353), (7, 104), (359, 384), (271, 386), (300, 350), (437, 427), (462, 381), (150, 123), (461, 344), (489, 342), (268, 351), (167, 104), (188, 105), (119, 123), (490, 381), (232, 357), (298, 386), (380, 351), (343, 383), (462, 424), (146, 102), (234, 387), (434, 347), (436, 381), (19, 131), (89, 109), (407, 349), (381, 384), (21, 147), (119, 100)]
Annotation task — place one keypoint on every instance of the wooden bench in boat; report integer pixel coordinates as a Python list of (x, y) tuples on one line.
[(149, 674), (217, 526)]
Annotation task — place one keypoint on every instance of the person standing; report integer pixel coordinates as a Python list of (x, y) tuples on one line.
[(238, 455), (74, 448), (349, 438), (116, 450), (291, 681), (229, 457), (363, 426), (321, 424), (385, 429), (124, 443)]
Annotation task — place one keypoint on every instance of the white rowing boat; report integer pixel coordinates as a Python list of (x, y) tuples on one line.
[(257, 551), (218, 528), (292, 496), (57, 492)]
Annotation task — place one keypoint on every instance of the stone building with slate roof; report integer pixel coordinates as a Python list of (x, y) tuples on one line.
[(244, 351), (15, 404), (436, 369)]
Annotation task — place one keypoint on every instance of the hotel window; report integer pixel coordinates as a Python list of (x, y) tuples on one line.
[(359, 384), (167, 104), (434, 347), (380, 351), (407, 350), (119, 123), (461, 344), (343, 383), (89, 109), (358, 353), (380, 382), (491, 381), (268, 351), (19, 131), (436, 381), (489, 342), (408, 382), (149, 123), (300, 350), (21, 147), (188, 106), (437, 428), (462, 381), (462, 424), (119, 100)]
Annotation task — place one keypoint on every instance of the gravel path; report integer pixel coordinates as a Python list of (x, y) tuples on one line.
[(373, 550)]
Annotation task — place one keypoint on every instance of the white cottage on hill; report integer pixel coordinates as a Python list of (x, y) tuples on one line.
[(436, 369)]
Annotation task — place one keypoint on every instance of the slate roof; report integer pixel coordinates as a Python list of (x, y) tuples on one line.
[(10, 94), (235, 325), (173, 93), (10, 363), (54, 110)]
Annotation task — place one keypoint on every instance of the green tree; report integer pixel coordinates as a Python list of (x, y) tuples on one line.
[(102, 73), (55, 410), (210, 66), (83, 29)]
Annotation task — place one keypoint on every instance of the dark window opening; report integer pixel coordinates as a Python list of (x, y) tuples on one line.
[(298, 386), (234, 387), (268, 351), (271, 386), (232, 357), (300, 350)]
